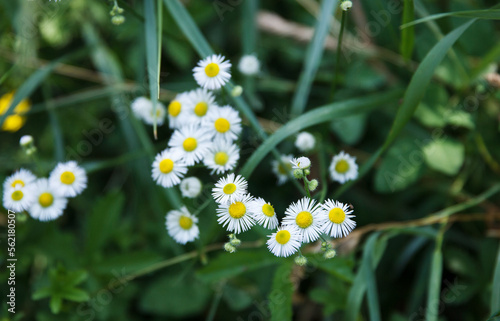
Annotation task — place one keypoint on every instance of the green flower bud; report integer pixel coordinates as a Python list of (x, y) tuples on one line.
[(313, 185), (307, 172), (118, 20), (237, 91), (330, 254), (229, 248), (300, 260), (235, 242), (298, 173)]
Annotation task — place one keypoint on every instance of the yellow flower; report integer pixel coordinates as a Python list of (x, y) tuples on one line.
[(15, 121)]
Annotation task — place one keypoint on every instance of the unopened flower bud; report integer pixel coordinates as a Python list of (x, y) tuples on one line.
[(313, 185), (300, 260), (229, 248), (118, 20), (237, 91), (329, 254), (235, 242), (346, 5), (298, 173)]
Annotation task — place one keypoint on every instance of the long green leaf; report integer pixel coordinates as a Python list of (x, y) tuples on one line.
[(313, 57), (280, 298), (434, 289), (152, 59), (413, 95), (249, 28), (369, 278), (314, 117), (495, 295), (493, 14), (407, 34)]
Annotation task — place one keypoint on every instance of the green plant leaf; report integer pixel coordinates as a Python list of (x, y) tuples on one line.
[(434, 289), (313, 57), (74, 294), (495, 295), (280, 297), (314, 117), (407, 34), (445, 155), (55, 304), (477, 14), (152, 51)]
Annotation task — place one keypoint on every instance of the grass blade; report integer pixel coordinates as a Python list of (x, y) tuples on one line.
[(249, 29), (54, 122), (152, 55), (313, 57), (281, 310), (495, 295), (314, 117), (433, 294), (492, 14), (407, 34)]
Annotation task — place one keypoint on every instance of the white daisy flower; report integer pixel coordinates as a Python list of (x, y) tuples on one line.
[(282, 169), (249, 65), (264, 213), (18, 198), (190, 187), (191, 142), (26, 140), (48, 204), (178, 111), (307, 217), (168, 168), (200, 102), (223, 123), (143, 109), (236, 215), (22, 177), (181, 225), (338, 221), (222, 156), (69, 179), (285, 242), (305, 142), (212, 72), (301, 163), (343, 168), (228, 188)]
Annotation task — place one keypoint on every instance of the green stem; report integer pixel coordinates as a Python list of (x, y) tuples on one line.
[(339, 52), (306, 186)]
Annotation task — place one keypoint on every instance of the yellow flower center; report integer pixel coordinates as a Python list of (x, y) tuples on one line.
[(185, 222), (237, 210), (336, 215), (17, 181), (222, 125), (282, 237), (46, 199), (190, 144), (174, 108), (268, 210), (342, 166), (67, 178), (201, 109), (221, 158), (212, 70), (229, 188), (304, 219), (17, 195), (166, 166)]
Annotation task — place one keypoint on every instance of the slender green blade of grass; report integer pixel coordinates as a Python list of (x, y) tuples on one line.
[(492, 14), (152, 59), (490, 58), (407, 34), (313, 57), (55, 126), (369, 278), (249, 29), (495, 295), (434, 289), (314, 117)]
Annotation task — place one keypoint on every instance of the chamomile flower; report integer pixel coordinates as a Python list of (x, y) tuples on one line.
[(18, 198), (305, 142), (223, 123), (249, 65), (343, 168), (22, 177), (228, 188), (264, 213), (178, 111), (69, 179), (282, 169), (200, 102), (307, 217), (190, 187), (168, 168), (191, 142), (48, 204), (143, 109), (236, 216), (221, 156), (338, 222), (212, 72), (301, 163), (285, 242), (181, 225)]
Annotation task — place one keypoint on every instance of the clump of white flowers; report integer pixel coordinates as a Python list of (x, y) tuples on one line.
[(249, 65)]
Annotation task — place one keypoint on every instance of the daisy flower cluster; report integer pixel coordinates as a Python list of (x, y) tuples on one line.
[(44, 199), (304, 222)]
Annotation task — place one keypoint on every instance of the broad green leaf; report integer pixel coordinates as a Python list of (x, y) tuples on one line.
[(227, 265), (313, 57), (314, 117), (400, 167), (55, 304), (340, 267), (477, 14), (349, 129), (280, 297), (407, 34), (445, 155), (236, 298), (74, 294), (103, 217), (495, 295)]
